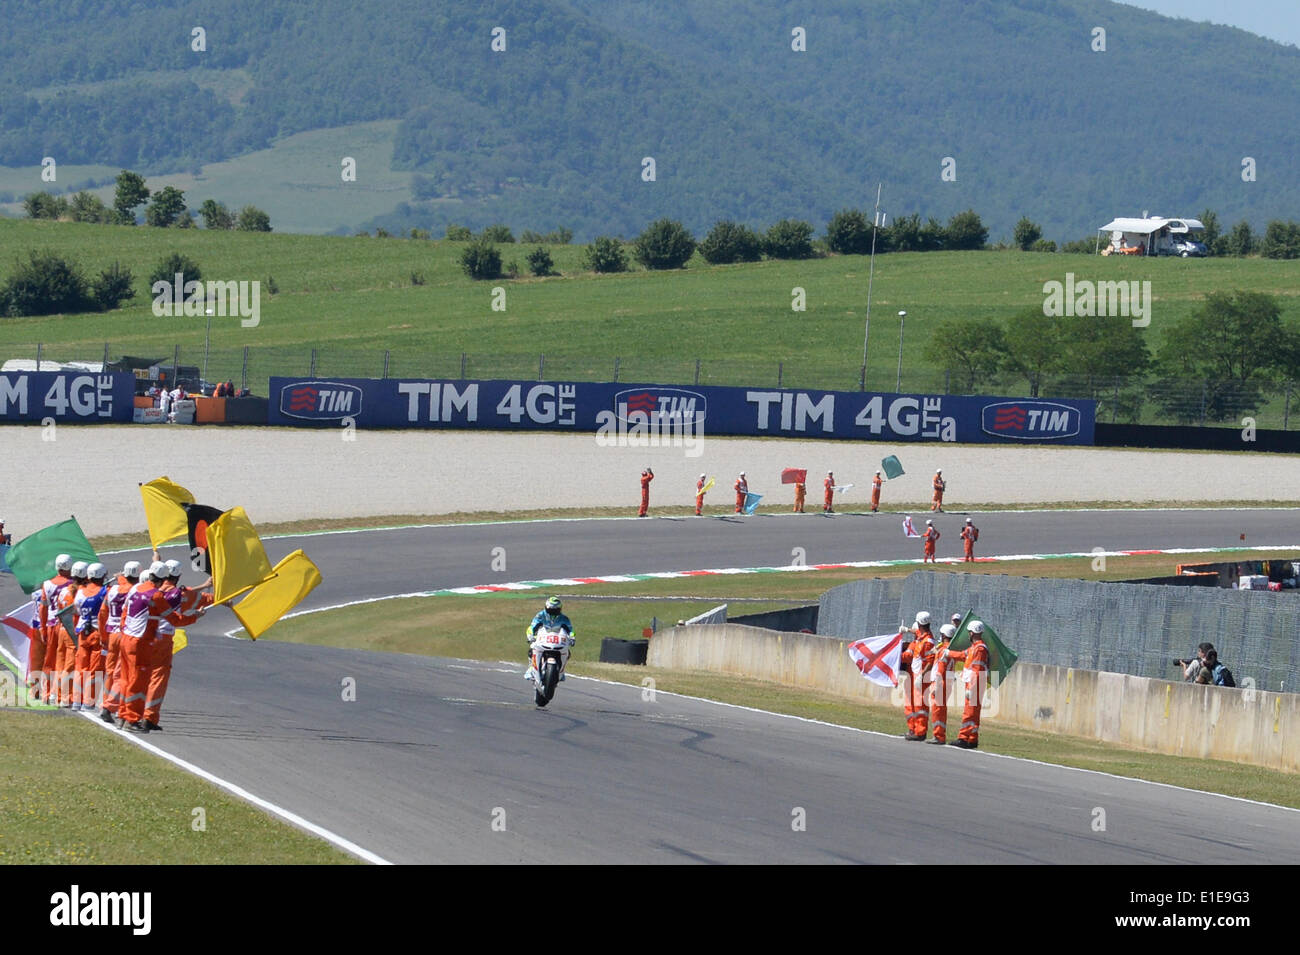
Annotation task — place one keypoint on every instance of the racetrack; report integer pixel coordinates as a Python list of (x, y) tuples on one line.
[(289, 474), (415, 767)]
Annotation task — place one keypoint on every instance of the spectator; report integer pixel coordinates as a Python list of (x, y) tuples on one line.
[(5, 538), (1218, 673), (230, 388), (1191, 668)]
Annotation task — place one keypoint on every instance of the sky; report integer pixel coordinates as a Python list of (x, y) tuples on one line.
[(1276, 19)]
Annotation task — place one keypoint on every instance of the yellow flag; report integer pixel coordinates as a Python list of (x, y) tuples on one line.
[(180, 640), (295, 577), (162, 509), (236, 556)]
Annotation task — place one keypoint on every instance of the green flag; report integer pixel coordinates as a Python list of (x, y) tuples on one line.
[(891, 467), (32, 558), (1001, 657)]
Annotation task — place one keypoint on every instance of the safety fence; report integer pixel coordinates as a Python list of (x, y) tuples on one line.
[(1196, 402), (1137, 629)]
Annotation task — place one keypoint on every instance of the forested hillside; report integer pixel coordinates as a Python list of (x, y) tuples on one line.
[(552, 130)]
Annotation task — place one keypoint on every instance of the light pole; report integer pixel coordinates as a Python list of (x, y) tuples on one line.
[(899, 387), (871, 274), (207, 340)]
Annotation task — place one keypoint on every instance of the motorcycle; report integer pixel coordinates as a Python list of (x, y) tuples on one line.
[(550, 653)]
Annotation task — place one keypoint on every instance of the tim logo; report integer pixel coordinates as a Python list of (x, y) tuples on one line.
[(1031, 420), (663, 405), (320, 400)]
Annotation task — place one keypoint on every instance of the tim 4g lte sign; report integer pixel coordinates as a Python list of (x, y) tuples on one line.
[(599, 407)]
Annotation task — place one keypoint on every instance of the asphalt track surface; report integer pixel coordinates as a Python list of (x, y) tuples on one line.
[(431, 752)]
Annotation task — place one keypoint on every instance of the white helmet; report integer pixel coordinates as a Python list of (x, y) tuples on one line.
[(63, 562), (742, 473), (923, 618), (968, 520), (938, 470), (929, 522), (157, 570), (956, 618), (976, 627), (173, 568), (131, 568), (947, 630), (79, 569), (96, 571), (703, 476)]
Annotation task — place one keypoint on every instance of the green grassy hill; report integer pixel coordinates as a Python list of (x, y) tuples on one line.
[(352, 298)]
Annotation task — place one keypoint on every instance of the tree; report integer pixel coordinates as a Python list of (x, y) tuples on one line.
[(540, 262), (973, 349), (665, 244), (481, 260), (605, 255), (43, 205), (216, 215), (88, 207), (46, 284), (1240, 240), (112, 287), (131, 192), (497, 233), (167, 206), (1102, 349), (933, 235), (965, 231), (789, 239), (849, 233), (904, 235), (1281, 240), (1034, 347), (458, 233), (1213, 363), (1026, 234), (1211, 236), (253, 219), (172, 265), (729, 242)]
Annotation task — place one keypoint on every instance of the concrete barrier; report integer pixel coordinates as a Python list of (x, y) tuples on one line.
[(1181, 719)]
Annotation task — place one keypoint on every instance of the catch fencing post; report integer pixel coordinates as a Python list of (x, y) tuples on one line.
[(243, 375), (780, 373), (38, 356), (1203, 389), (697, 372), (616, 362), (312, 372), (105, 365), (385, 362), (1286, 411), (462, 366), (176, 365), (541, 367), (1114, 409)]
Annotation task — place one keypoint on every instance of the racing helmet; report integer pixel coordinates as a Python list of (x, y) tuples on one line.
[(553, 605)]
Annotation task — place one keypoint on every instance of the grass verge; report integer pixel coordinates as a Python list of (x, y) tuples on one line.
[(70, 793)]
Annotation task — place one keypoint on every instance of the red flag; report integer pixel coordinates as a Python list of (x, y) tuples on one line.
[(794, 476)]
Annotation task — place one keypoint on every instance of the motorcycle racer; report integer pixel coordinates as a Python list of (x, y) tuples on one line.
[(551, 618)]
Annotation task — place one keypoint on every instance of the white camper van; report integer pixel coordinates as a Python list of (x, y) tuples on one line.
[(1153, 236)]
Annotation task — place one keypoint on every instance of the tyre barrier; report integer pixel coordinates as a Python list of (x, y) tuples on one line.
[(614, 650)]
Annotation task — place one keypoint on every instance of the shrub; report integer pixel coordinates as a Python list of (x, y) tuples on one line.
[(729, 242), (540, 262), (459, 233), (46, 284), (665, 244), (606, 255), (167, 269), (481, 260), (497, 233), (849, 233), (112, 287), (789, 239)]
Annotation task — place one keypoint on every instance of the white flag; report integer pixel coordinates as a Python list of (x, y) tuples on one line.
[(877, 657), (15, 626), (908, 529)]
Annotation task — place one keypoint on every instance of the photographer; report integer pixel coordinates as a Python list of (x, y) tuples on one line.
[(1192, 668)]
